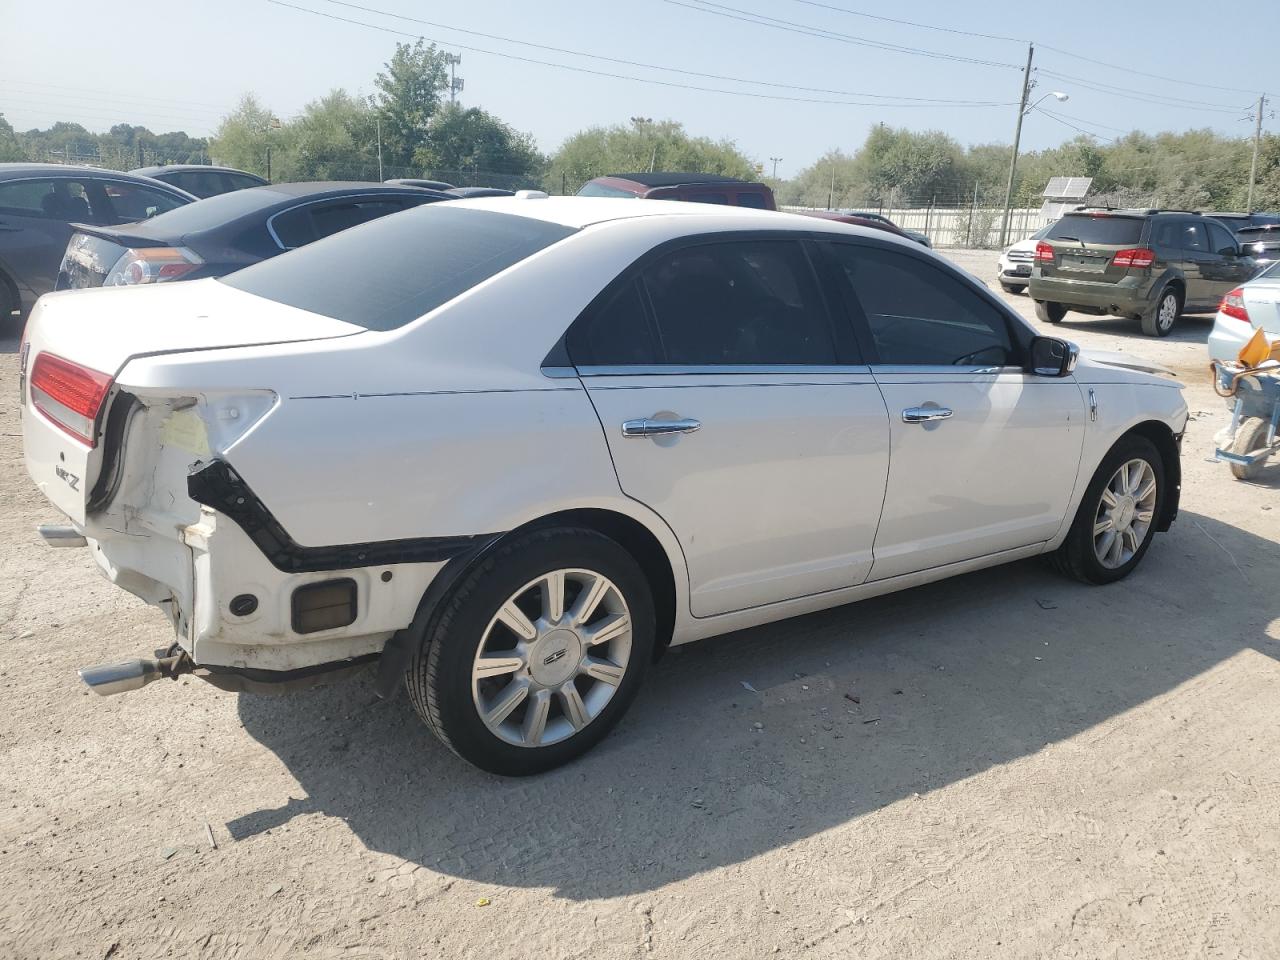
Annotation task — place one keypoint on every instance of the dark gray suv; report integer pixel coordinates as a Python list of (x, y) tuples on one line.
[(1151, 265)]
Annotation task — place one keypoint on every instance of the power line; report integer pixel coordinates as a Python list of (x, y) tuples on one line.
[(1068, 123), (911, 23), (1143, 95), (133, 96), (1143, 73), (654, 66), (101, 113), (111, 101), (759, 19), (604, 73)]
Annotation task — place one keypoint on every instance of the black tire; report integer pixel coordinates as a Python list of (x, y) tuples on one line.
[(1050, 312), (10, 322), (1076, 557), (1160, 319), (439, 675), (1251, 435), (1012, 287)]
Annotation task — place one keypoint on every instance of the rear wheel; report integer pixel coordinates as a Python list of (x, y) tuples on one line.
[(1250, 436), (1117, 517), (1159, 320), (1050, 312), (10, 323), (536, 653)]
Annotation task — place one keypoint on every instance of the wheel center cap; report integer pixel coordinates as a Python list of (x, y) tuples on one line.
[(1124, 513), (554, 657)]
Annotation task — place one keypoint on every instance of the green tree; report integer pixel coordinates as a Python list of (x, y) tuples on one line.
[(333, 139), (642, 146), (409, 93), (471, 140), (10, 149), (244, 135)]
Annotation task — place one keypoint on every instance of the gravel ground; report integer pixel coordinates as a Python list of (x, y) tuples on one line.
[(1006, 764)]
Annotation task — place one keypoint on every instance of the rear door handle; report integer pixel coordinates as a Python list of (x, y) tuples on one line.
[(659, 428), (925, 414)]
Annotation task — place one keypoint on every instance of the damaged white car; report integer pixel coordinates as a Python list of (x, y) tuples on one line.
[(511, 449)]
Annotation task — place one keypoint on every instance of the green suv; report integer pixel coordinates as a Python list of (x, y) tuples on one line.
[(1151, 265)]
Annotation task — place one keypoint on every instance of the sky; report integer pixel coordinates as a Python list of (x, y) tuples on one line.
[(183, 65)]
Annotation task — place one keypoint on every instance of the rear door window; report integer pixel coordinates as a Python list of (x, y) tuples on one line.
[(755, 200), (1194, 236), (617, 332), (1221, 241), (1105, 229), (52, 199), (387, 273), (751, 302)]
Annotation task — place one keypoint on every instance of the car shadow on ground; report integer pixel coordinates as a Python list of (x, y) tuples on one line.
[(1190, 328), (858, 707)]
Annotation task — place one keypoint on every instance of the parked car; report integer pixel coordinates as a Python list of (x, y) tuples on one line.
[(914, 235), (1248, 308), (1151, 265), (1262, 243), (387, 446), (466, 192), (226, 233), (693, 187), (856, 220), (1236, 222), (1013, 267), (38, 204), (425, 184), (202, 181)]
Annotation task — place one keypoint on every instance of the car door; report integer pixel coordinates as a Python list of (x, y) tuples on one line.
[(34, 227), (984, 455), (740, 413), (1230, 266), (1198, 263)]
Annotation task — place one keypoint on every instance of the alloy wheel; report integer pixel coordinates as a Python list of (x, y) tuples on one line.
[(1126, 510), (1168, 311), (552, 657)]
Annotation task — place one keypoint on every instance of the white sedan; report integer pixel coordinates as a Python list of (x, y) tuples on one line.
[(1244, 311), (512, 449)]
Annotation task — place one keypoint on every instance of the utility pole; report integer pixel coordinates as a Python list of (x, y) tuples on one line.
[(776, 161), (1253, 165), (1017, 138), (377, 120), (455, 83), (831, 192)]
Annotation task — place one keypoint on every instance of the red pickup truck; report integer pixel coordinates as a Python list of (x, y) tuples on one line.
[(695, 187)]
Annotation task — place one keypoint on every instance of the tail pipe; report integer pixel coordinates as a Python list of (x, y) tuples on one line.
[(110, 678)]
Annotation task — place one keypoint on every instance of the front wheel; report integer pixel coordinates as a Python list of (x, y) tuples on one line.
[(1159, 321), (536, 653), (1117, 517), (1050, 312)]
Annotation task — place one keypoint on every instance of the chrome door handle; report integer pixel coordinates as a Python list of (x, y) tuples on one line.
[(925, 414), (659, 428)]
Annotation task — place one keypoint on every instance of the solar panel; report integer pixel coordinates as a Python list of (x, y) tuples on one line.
[(1068, 188)]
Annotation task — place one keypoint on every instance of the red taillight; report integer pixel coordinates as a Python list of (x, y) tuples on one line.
[(1134, 257), (1232, 305), (70, 395), (152, 265), (1044, 253)]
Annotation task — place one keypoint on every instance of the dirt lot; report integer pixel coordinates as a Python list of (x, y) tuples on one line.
[(1030, 768)]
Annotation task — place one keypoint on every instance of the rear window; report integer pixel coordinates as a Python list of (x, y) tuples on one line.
[(214, 211), (1104, 229), (386, 273), (593, 189)]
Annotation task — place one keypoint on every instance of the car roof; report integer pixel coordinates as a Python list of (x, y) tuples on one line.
[(14, 171), (580, 212), (190, 167), (675, 179)]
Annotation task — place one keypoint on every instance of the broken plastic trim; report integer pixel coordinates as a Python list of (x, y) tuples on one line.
[(216, 484)]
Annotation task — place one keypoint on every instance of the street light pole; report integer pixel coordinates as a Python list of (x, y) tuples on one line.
[(377, 120), (1017, 138), (776, 161)]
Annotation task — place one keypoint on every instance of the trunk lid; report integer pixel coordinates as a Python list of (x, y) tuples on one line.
[(103, 330), (93, 251)]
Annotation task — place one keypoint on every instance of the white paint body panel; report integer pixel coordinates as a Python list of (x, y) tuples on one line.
[(997, 475), (778, 492), (450, 426)]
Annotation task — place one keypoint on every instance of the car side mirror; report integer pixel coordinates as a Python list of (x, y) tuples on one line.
[(1051, 357), (1229, 252)]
